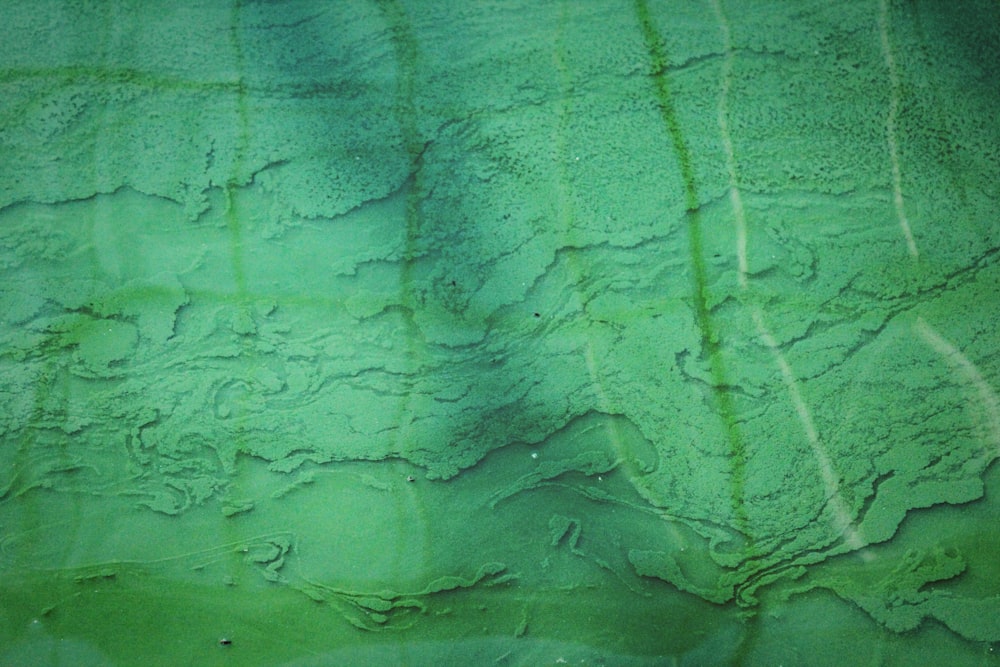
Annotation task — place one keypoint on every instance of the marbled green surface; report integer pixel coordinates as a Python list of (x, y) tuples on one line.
[(401, 332)]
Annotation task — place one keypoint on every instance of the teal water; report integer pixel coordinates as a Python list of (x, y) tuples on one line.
[(413, 333)]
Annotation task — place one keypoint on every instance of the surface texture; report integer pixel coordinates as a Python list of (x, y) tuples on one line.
[(573, 330)]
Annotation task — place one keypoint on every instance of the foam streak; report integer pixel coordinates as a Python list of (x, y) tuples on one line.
[(890, 129)]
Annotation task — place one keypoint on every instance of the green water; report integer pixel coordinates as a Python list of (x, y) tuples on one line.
[(499, 333)]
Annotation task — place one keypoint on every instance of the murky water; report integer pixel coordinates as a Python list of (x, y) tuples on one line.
[(502, 333)]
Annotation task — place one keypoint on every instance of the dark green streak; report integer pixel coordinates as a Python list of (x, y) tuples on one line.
[(709, 336), (406, 52), (232, 186)]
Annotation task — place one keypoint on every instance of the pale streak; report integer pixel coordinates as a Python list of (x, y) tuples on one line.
[(890, 128), (727, 144), (971, 374), (831, 482)]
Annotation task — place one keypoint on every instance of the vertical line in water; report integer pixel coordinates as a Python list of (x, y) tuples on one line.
[(235, 228), (407, 53), (735, 199), (844, 523), (710, 340), (961, 363), (890, 128), (564, 197), (233, 222)]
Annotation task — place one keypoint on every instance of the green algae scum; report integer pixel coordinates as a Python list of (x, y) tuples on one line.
[(499, 332)]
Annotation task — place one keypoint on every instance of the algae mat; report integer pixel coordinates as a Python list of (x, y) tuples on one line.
[(401, 332)]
